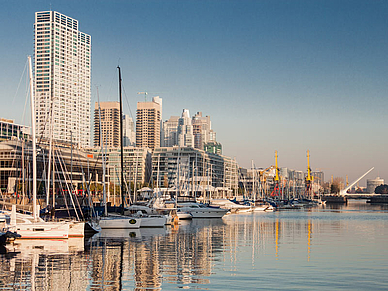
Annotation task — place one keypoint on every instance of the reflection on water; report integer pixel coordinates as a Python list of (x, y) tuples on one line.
[(322, 248)]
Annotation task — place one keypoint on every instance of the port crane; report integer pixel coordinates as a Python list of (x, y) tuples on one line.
[(263, 179), (309, 178), (146, 93), (276, 190)]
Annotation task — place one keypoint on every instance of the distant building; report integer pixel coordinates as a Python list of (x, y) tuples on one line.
[(62, 59), (14, 171), (10, 130), (185, 130), (371, 184), (110, 124), (137, 165), (213, 147), (170, 132), (148, 117), (129, 134), (202, 131), (194, 172)]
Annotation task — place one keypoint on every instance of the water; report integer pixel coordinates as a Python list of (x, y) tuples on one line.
[(330, 248)]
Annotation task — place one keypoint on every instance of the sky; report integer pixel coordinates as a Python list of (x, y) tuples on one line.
[(289, 76)]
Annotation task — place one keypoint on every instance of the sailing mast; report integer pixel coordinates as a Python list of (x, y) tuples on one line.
[(34, 176), (121, 142)]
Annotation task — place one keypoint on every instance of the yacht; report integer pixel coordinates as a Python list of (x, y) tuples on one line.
[(197, 210)]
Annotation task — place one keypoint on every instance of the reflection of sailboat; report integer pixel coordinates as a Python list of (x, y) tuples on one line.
[(131, 233), (47, 246)]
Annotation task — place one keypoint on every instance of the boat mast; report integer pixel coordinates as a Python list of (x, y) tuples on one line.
[(121, 142), (34, 210)]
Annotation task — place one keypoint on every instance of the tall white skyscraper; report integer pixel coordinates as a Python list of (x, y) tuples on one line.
[(185, 130), (62, 78), (170, 132)]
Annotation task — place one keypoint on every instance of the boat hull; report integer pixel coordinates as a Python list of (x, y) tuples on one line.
[(119, 222), (153, 221), (45, 230)]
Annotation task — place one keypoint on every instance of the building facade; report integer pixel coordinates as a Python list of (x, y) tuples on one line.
[(194, 172), (148, 117), (11, 130), (16, 168), (170, 132), (107, 124), (129, 134), (62, 66), (203, 133), (185, 130), (137, 167), (371, 184)]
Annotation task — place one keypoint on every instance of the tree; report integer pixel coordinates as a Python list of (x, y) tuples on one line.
[(382, 189), (337, 185), (334, 188)]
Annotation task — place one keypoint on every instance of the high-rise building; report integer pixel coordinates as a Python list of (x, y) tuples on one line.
[(148, 124), (62, 78), (202, 131), (185, 130), (170, 132), (129, 134), (109, 115)]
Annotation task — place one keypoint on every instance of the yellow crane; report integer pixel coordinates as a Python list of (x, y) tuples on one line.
[(145, 95), (276, 190), (309, 178), (276, 167)]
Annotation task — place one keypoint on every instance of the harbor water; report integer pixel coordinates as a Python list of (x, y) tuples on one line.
[(337, 247)]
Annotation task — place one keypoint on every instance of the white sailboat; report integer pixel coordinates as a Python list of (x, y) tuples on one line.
[(117, 221), (33, 227)]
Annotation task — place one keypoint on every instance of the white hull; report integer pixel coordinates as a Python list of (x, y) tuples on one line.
[(227, 204), (184, 215), (153, 221), (198, 211), (27, 228), (76, 229), (42, 230), (260, 208), (119, 222)]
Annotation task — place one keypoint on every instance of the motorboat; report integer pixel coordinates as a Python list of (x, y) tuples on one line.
[(116, 221), (201, 211), (227, 204)]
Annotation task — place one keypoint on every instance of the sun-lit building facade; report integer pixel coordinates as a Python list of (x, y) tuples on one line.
[(62, 63)]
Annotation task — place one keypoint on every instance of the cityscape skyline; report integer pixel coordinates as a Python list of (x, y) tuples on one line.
[(278, 76)]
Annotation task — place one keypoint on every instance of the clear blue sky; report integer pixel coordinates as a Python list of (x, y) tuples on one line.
[(273, 75)]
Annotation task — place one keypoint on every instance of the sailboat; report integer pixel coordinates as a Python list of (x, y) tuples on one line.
[(33, 227), (119, 221)]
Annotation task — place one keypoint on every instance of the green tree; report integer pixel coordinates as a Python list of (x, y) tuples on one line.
[(334, 188), (382, 189)]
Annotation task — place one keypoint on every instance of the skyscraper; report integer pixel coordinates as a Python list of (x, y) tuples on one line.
[(109, 115), (129, 134), (62, 78), (203, 133), (170, 132), (148, 124), (185, 130)]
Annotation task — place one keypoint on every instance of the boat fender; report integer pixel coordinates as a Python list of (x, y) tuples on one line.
[(132, 221)]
